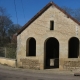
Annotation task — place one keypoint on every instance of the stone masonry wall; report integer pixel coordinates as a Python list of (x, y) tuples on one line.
[(64, 29), (30, 63), (70, 64)]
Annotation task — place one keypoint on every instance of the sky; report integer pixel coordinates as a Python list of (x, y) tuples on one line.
[(26, 9)]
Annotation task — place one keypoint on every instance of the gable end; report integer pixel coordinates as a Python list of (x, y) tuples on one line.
[(41, 12)]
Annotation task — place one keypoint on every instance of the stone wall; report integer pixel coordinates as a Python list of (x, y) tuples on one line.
[(7, 61), (30, 63), (70, 63)]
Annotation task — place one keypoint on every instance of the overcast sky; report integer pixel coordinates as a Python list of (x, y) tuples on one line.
[(31, 7)]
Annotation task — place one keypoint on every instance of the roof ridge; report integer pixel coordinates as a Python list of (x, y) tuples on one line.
[(51, 1)]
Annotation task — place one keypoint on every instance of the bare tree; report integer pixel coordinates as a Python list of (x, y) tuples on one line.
[(5, 24), (77, 14), (73, 12), (13, 30)]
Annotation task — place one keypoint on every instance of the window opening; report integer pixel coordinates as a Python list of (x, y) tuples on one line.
[(51, 25)]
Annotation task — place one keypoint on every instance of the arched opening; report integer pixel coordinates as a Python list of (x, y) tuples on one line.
[(31, 47), (51, 48), (73, 48)]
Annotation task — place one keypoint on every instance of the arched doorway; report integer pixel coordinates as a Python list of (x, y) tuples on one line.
[(31, 47), (73, 51), (51, 48)]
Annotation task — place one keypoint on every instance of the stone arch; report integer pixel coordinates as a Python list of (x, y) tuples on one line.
[(31, 47), (51, 50), (73, 47)]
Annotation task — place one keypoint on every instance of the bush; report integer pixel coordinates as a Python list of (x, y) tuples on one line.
[(2, 52), (11, 53)]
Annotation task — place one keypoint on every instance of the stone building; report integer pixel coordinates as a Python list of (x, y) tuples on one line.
[(49, 40)]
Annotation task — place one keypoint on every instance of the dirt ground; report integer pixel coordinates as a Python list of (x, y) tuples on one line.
[(9, 73)]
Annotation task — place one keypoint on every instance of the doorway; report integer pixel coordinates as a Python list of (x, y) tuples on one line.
[(51, 48)]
